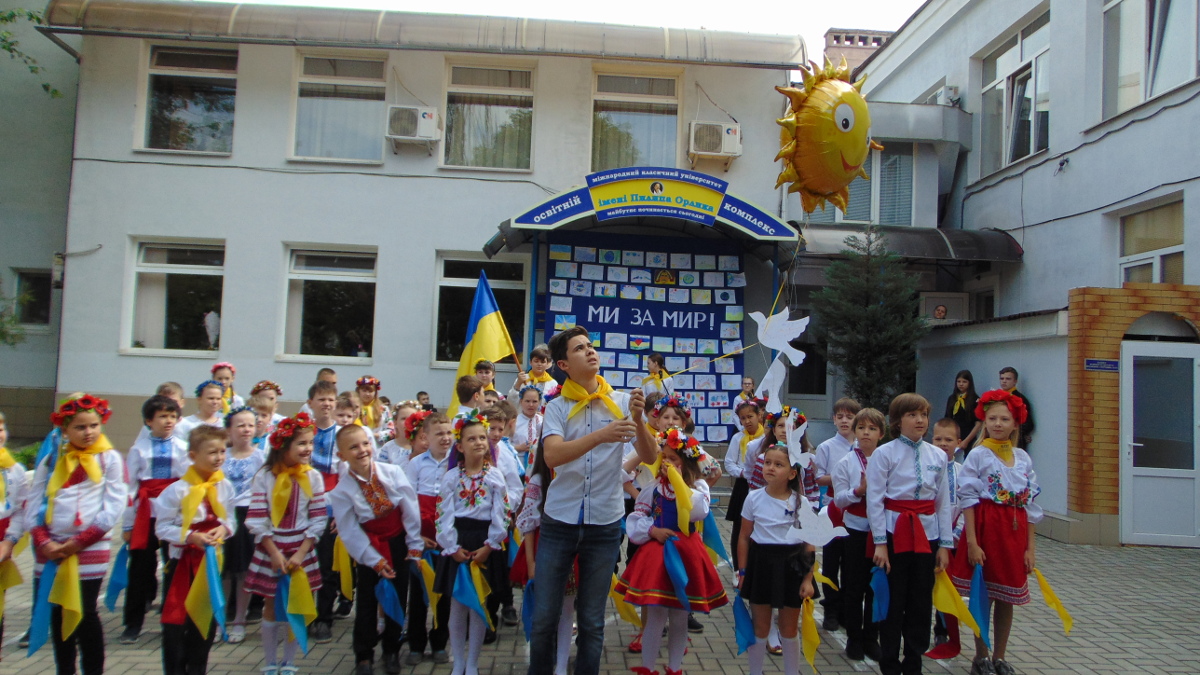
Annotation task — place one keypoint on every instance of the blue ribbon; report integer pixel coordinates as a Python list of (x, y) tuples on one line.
[(39, 627), (677, 572), (465, 592), (389, 600), (216, 591), (883, 595), (295, 621), (978, 604), (528, 602), (712, 538), (415, 570), (743, 624), (118, 580)]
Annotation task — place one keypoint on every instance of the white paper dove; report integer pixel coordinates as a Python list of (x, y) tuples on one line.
[(772, 382), (795, 445), (816, 528), (777, 333)]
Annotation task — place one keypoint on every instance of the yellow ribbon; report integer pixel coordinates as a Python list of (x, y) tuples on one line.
[(368, 415), (226, 399), (683, 498), (821, 578), (624, 609), (1053, 602), (300, 596), (947, 600), (68, 461), (572, 391), (198, 601), (1003, 449), (9, 576), (959, 403), (6, 463), (427, 577), (747, 437), (540, 379), (66, 594), (654, 377), (281, 494), (810, 639), (482, 589), (190, 504), (344, 567), (21, 545)]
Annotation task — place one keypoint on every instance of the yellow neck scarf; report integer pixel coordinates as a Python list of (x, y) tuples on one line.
[(959, 403), (747, 437), (1003, 449), (69, 460), (6, 463), (200, 489), (226, 399), (572, 391), (539, 378), (368, 415), (654, 377), (281, 494), (683, 492), (491, 386)]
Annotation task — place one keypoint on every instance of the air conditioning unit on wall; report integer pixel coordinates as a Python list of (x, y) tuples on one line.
[(714, 140), (412, 124)]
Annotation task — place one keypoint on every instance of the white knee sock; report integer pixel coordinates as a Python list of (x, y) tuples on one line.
[(677, 639), (565, 624), (791, 655), (773, 636), (656, 618), (458, 636), (478, 628), (756, 654), (289, 650), (270, 642)]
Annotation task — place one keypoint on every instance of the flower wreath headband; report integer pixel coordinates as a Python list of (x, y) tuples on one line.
[(266, 385), (368, 381), (414, 422), (799, 419), (528, 387), (289, 427), (473, 417), (206, 384), (1015, 404), (224, 364), (685, 445), (72, 407), (672, 401), (237, 411)]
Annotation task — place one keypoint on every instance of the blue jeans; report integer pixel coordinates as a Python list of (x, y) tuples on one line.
[(597, 547)]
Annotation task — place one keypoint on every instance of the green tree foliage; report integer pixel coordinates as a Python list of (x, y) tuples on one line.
[(10, 44), (867, 318)]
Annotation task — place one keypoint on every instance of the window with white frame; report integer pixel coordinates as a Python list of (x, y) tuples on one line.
[(810, 378), (458, 274), (190, 101), (635, 121), (1152, 245), (1149, 48), (330, 303), (340, 108), (489, 118), (177, 296), (1015, 119), (886, 199), (33, 297)]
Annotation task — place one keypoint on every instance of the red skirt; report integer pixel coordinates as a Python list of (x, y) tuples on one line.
[(1003, 534), (646, 581)]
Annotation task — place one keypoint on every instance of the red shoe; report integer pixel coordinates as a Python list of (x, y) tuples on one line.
[(635, 645), (674, 672), (951, 648), (642, 670)]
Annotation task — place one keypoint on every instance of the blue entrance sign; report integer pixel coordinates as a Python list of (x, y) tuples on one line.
[(1102, 365)]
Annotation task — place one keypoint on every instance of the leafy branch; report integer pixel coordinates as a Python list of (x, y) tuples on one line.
[(10, 44)]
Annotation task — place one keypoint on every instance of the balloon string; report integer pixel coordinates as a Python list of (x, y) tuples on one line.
[(715, 358)]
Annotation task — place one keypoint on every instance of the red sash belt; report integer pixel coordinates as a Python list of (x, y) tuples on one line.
[(331, 481), (382, 530), (909, 535), (147, 489), (858, 508), (4, 526), (428, 505), (186, 568)]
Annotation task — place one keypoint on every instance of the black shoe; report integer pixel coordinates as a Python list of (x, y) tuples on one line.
[(694, 626), (364, 668), (872, 651), (391, 663), (854, 650), (344, 609), (254, 615), (509, 616), (413, 658), (830, 623), (23, 643), (489, 637), (130, 636), (320, 632)]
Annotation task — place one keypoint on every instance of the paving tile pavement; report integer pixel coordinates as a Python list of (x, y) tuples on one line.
[(1133, 609)]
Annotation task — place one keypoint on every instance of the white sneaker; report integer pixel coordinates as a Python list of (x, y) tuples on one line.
[(237, 634), (288, 669), (270, 670)]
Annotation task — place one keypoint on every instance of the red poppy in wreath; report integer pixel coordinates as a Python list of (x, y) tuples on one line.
[(1016, 405)]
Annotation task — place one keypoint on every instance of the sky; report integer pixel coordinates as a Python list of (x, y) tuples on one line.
[(806, 17)]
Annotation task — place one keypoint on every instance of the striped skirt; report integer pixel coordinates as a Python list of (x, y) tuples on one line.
[(260, 577)]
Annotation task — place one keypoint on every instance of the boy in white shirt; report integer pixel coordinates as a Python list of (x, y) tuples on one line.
[(829, 454), (425, 471)]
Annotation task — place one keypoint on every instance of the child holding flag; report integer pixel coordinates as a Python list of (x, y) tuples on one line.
[(537, 377), (192, 514)]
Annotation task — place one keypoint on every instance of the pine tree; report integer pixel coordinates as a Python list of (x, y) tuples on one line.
[(867, 318)]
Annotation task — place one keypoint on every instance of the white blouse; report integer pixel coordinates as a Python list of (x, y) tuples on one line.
[(506, 462), (239, 471), (311, 514), (527, 431), (984, 476), (530, 517), (773, 518), (846, 477), (394, 453), (900, 471), (168, 523), (638, 524), (351, 509), (16, 491), (98, 505), (482, 496), (735, 464)]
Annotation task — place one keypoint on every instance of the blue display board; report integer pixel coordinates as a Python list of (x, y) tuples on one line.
[(680, 297)]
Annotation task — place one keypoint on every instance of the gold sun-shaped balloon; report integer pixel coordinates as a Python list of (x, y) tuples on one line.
[(826, 136)]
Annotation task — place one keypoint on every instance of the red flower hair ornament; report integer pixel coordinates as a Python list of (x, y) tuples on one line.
[(224, 364), (72, 407), (1016, 405), (414, 422), (368, 381), (685, 445), (473, 417), (672, 401), (266, 385), (288, 428)]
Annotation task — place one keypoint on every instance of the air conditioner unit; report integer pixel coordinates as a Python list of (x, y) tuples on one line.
[(412, 124), (714, 140)]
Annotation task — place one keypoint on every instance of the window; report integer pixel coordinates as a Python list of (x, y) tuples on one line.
[(886, 199), (810, 377), (1015, 119), (340, 109), (489, 118), (177, 296), (191, 99), (330, 303), (33, 298), (457, 278), (1149, 47), (1152, 245), (635, 122)]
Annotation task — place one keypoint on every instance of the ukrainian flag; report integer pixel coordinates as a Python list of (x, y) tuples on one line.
[(487, 337)]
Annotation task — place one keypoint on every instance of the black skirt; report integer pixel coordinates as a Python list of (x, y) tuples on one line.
[(741, 489), (472, 534), (774, 574), (240, 547)]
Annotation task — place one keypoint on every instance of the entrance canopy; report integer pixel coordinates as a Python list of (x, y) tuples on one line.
[(919, 243), (641, 198)]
